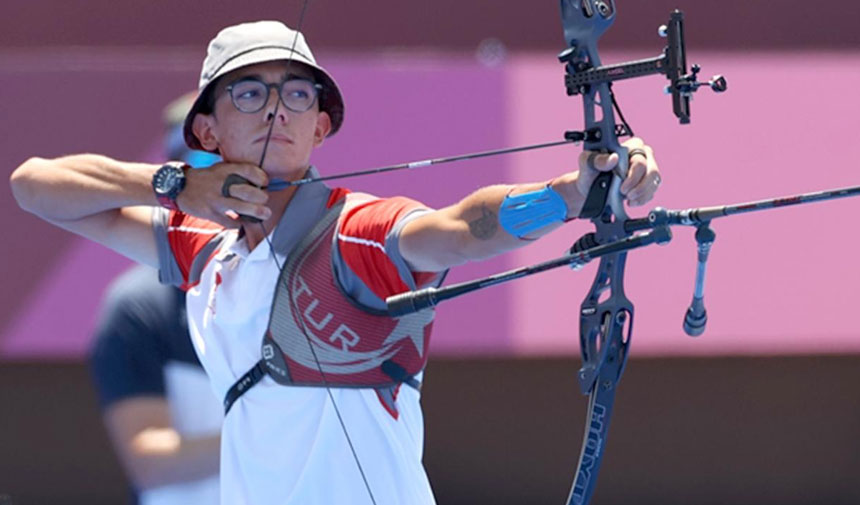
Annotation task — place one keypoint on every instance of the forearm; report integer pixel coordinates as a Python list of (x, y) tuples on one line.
[(77, 186), (470, 230), (481, 212), (161, 457)]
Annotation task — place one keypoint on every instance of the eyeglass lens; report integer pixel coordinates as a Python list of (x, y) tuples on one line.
[(251, 95)]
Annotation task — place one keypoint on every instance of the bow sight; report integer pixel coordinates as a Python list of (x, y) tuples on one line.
[(585, 23)]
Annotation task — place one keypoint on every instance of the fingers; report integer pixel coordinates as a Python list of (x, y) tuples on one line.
[(254, 174), (637, 167), (204, 194), (246, 198), (245, 209), (226, 220), (228, 212), (594, 161), (644, 192), (643, 176), (248, 193)]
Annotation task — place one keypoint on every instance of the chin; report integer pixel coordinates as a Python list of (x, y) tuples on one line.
[(285, 170)]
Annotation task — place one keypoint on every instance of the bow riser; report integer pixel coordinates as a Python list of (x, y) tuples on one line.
[(606, 314)]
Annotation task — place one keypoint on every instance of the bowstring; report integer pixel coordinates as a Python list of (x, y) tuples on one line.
[(280, 269)]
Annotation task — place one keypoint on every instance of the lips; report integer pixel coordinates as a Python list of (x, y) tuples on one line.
[(276, 137)]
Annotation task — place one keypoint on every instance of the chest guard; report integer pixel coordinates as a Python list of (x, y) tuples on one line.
[(320, 336)]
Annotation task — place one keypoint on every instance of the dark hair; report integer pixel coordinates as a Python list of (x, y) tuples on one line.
[(207, 101)]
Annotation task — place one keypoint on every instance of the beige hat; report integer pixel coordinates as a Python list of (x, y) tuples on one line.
[(251, 43)]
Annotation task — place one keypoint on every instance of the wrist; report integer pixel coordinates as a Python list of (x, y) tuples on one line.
[(168, 182), (567, 186)]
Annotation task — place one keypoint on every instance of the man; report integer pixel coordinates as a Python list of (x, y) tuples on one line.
[(283, 440), (161, 416)]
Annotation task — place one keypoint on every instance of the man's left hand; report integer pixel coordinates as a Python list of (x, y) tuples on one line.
[(643, 175)]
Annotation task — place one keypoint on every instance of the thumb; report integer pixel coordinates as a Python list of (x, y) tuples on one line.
[(592, 164), (606, 162), (593, 161)]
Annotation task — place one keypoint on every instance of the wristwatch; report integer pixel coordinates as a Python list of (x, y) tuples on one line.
[(168, 181)]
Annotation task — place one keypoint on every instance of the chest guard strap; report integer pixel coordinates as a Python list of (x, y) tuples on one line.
[(317, 336)]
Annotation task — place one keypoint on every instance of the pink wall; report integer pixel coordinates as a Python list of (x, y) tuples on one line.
[(450, 24), (398, 108), (787, 124), (785, 281)]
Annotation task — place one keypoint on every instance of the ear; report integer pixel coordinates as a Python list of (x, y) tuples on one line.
[(323, 127), (202, 126)]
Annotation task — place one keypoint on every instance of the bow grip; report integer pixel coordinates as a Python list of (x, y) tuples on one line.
[(595, 202)]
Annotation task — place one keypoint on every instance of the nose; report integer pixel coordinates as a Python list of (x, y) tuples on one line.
[(275, 107), (271, 114)]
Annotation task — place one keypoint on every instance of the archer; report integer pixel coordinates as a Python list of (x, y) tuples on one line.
[(238, 234)]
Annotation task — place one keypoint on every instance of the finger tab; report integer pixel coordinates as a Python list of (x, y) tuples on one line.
[(230, 181)]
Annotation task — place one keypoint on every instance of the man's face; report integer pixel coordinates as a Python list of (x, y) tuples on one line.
[(240, 136)]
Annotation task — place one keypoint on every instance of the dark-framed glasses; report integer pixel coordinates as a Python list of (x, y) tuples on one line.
[(251, 94)]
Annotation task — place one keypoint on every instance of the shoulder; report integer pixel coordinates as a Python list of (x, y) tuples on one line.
[(367, 258), (364, 213), (185, 231), (369, 224), (185, 244)]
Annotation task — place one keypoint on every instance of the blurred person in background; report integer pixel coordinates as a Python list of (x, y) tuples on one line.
[(161, 416), (323, 403)]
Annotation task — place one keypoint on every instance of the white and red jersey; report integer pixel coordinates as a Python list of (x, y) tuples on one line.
[(284, 444)]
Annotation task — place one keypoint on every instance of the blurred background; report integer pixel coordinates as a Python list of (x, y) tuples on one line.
[(764, 408)]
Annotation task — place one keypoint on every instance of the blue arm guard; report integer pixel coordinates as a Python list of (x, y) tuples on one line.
[(525, 213)]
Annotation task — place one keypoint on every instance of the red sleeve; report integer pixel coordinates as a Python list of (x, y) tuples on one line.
[(187, 236), (361, 241)]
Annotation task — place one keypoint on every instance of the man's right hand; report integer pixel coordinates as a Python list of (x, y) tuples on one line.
[(202, 195)]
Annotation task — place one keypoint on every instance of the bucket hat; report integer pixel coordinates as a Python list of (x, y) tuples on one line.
[(259, 42)]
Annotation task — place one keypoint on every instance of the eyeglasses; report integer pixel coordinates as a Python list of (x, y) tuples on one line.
[(251, 94)]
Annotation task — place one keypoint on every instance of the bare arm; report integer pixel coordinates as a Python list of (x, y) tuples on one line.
[(152, 453), (93, 196), (110, 201), (469, 230)]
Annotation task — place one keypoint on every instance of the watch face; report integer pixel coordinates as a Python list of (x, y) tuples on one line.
[(168, 179)]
